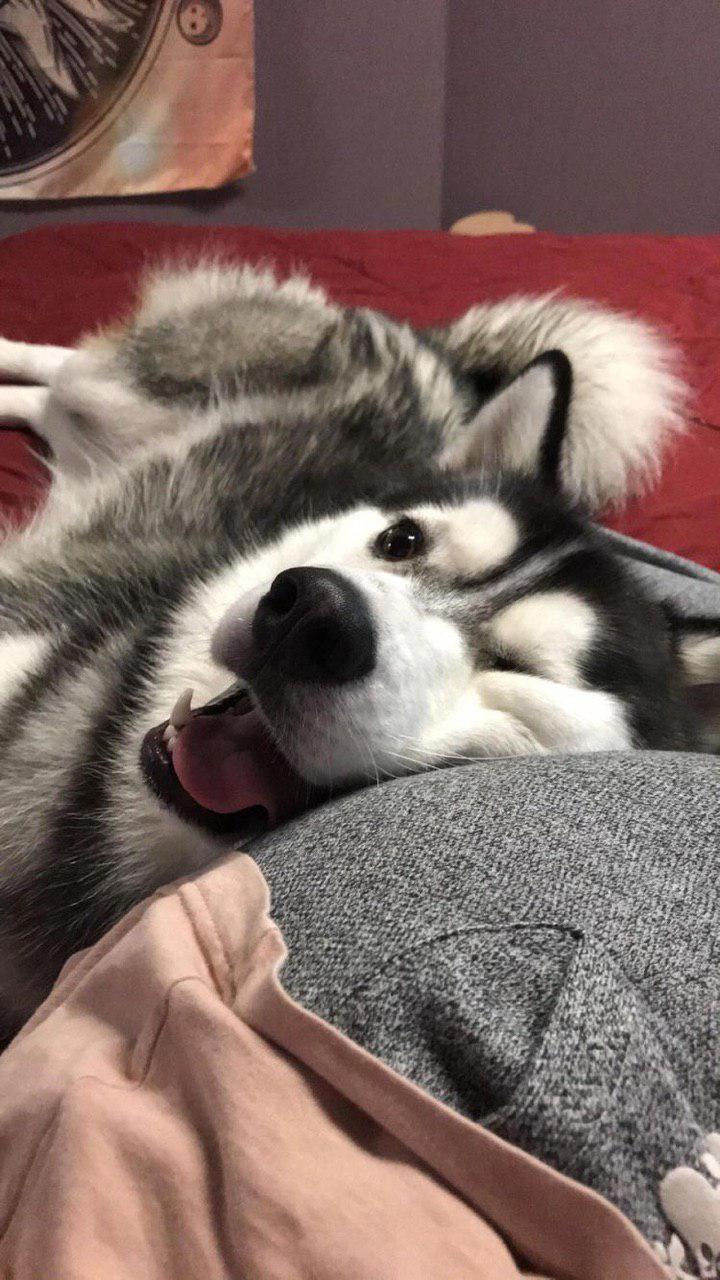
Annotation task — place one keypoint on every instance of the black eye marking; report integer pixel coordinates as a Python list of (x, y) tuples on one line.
[(404, 540), (506, 662)]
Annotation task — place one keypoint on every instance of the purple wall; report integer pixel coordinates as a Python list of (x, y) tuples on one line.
[(595, 115), (350, 123)]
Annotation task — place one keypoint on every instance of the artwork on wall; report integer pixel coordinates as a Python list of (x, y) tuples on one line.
[(123, 97)]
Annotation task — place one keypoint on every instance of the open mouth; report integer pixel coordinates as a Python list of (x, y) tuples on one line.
[(218, 766)]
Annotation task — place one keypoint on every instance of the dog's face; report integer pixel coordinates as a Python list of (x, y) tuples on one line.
[(370, 654), (474, 618), (440, 626)]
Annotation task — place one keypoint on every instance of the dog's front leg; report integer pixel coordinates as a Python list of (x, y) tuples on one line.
[(561, 717), (31, 362), (89, 414)]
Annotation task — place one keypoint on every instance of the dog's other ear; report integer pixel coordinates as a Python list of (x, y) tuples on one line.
[(628, 400), (698, 643), (522, 427)]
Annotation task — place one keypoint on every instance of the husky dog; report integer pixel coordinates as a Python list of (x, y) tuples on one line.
[(291, 549)]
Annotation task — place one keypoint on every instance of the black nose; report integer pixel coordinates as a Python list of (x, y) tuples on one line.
[(313, 624)]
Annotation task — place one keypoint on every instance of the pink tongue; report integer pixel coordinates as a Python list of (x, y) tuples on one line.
[(227, 763)]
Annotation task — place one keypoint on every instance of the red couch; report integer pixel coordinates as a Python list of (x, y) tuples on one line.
[(58, 282)]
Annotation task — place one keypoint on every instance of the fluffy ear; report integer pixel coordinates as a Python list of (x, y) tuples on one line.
[(699, 649), (522, 427), (628, 400)]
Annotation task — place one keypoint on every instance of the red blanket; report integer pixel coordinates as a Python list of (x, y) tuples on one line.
[(58, 282)]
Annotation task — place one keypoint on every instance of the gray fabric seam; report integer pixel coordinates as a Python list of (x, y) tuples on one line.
[(446, 935)]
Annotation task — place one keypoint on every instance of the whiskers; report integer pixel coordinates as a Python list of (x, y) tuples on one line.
[(407, 752)]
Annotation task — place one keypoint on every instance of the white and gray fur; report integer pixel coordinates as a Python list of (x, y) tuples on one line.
[(235, 427)]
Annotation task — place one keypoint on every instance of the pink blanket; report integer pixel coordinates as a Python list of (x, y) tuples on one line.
[(170, 1113)]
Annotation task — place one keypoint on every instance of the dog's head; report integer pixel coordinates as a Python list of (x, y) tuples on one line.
[(473, 617)]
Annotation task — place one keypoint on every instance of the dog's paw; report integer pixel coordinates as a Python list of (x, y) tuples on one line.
[(560, 717)]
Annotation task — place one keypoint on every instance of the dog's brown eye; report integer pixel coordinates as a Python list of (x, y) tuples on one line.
[(402, 541)]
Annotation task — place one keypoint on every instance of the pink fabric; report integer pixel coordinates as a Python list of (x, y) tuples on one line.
[(170, 1114)]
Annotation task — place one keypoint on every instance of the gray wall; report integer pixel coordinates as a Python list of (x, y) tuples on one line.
[(350, 123), (585, 115), (577, 115)]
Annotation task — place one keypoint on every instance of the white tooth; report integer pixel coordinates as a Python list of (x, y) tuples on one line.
[(180, 713), (170, 736)]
